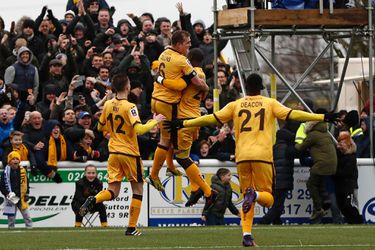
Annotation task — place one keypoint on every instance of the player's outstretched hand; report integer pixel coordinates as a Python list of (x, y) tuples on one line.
[(331, 117), (159, 118), (173, 125)]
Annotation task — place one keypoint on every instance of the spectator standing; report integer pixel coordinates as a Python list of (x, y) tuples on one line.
[(14, 186), (89, 185), (323, 154), (283, 155), (221, 183), (24, 75), (346, 179)]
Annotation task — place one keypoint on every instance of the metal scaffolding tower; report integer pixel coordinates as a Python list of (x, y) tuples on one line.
[(242, 26)]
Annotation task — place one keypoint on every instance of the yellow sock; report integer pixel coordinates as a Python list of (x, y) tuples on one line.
[(194, 186), (135, 209), (247, 220), (159, 158), (194, 175), (103, 224), (265, 199), (104, 195), (77, 224), (169, 159)]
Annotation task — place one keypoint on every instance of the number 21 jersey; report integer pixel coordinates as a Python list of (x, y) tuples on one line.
[(254, 124), (118, 118)]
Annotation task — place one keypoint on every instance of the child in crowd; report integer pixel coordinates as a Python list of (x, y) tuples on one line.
[(89, 185), (84, 152), (221, 183), (15, 187), (57, 146), (16, 144)]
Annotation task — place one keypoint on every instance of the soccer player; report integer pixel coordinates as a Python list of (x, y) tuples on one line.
[(189, 108), (173, 65), (253, 120), (120, 118)]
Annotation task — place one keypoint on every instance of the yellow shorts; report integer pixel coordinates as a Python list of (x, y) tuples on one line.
[(166, 109), (258, 175), (186, 137), (120, 166)]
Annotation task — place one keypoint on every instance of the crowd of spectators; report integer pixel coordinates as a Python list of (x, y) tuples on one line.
[(55, 76)]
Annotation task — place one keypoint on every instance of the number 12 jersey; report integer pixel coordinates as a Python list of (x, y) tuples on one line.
[(118, 118)]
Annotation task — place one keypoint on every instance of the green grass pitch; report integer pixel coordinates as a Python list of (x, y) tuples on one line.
[(229, 237)]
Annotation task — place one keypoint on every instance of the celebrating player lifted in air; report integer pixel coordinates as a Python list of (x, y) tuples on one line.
[(121, 120), (165, 99), (189, 108), (253, 121)]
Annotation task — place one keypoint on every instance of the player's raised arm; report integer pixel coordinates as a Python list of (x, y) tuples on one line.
[(303, 116), (141, 129)]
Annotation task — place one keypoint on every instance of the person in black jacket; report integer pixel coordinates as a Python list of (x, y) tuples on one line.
[(89, 185), (283, 156), (346, 179), (221, 183)]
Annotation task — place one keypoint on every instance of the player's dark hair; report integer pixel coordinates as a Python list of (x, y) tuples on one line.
[(119, 81), (254, 84), (196, 57), (222, 171), (179, 36)]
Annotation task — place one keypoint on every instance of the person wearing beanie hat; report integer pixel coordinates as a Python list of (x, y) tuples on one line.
[(15, 191), (69, 16), (254, 118), (29, 23), (201, 24), (351, 121), (14, 155), (34, 42)]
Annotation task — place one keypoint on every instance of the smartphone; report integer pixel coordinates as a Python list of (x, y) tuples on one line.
[(80, 81)]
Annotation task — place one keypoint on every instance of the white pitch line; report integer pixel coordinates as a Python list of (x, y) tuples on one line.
[(146, 229)]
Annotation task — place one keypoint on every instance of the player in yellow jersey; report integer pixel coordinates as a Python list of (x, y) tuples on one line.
[(253, 121), (173, 65), (120, 118), (189, 108)]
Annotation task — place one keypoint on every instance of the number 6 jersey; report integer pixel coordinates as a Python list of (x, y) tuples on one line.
[(254, 124), (118, 118)]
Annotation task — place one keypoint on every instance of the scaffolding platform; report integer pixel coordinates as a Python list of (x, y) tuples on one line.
[(281, 18)]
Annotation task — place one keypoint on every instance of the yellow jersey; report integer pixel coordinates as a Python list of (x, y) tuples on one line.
[(118, 118), (173, 65), (191, 99), (254, 124)]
